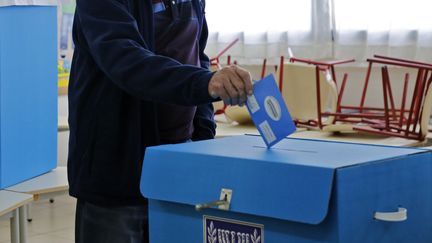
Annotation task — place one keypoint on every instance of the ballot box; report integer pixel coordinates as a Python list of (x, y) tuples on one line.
[(28, 89), (234, 190)]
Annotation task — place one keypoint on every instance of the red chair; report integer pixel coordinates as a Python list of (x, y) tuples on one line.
[(310, 89), (405, 122)]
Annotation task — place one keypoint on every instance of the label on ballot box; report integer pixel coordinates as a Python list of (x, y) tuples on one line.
[(269, 112), (219, 230)]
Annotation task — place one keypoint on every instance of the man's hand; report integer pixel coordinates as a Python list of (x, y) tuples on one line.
[(232, 84)]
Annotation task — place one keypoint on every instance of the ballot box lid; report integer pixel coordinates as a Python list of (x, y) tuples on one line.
[(291, 181)]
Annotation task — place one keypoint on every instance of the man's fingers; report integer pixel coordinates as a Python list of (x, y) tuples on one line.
[(235, 86), (232, 93), (246, 78), (232, 84), (215, 88), (226, 98), (238, 84)]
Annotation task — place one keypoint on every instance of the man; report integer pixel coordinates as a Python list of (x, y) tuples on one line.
[(139, 78)]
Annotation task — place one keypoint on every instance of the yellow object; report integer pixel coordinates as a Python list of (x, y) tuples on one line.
[(238, 114), (63, 74), (63, 80)]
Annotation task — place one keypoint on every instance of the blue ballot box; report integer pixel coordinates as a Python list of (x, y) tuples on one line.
[(236, 190), (28, 91)]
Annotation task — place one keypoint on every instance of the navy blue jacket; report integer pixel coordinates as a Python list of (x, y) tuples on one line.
[(116, 81)]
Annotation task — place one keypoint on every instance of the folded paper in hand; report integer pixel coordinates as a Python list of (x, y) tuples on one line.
[(269, 112)]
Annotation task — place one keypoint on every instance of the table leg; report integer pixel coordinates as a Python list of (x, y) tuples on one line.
[(28, 211), (14, 224), (22, 224)]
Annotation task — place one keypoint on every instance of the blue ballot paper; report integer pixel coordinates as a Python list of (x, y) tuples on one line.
[(269, 112)]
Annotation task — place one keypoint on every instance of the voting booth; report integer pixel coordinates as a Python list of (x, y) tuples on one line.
[(236, 190), (28, 89)]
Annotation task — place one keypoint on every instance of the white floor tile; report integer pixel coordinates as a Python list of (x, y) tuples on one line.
[(68, 234), (4, 234), (48, 238), (52, 222)]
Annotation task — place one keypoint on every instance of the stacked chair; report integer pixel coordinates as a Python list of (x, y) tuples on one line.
[(410, 120), (314, 98), (311, 92)]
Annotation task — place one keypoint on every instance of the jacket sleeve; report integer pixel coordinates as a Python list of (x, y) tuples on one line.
[(204, 59), (204, 124), (120, 51)]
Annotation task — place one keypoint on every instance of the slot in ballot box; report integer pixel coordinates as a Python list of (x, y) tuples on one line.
[(28, 89), (236, 190)]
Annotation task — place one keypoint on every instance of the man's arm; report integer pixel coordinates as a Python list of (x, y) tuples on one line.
[(118, 48)]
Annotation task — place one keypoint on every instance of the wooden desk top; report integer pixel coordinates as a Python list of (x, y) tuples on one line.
[(10, 201)]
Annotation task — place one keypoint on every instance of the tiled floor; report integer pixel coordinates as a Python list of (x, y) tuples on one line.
[(52, 222)]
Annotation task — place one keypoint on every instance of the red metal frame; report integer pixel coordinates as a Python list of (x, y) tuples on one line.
[(402, 60), (341, 91), (366, 84), (386, 86), (263, 69), (318, 92), (388, 61), (404, 96), (215, 60), (387, 120), (320, 66), (398, 125), (281, 72), (321, 63)]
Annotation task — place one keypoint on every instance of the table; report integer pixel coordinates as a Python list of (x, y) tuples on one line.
[(63, 124), (46, 186), (12, 205), (356, 138), (224, 129)]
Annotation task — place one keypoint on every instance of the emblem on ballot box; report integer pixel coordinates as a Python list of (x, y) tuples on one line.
[(219, 230)]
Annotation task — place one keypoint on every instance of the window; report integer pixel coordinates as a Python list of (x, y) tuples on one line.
[(257, 16), (267, 28), (398, 28), (382, 15), (322, 28)]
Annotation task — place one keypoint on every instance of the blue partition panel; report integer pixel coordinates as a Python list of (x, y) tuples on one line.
[(28, 92)]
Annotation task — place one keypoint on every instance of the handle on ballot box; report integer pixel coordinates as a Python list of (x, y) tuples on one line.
[(223, 203), (217, 203), (399, 216)]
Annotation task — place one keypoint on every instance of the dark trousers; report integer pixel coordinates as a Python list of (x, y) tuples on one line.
[(100, 224)]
